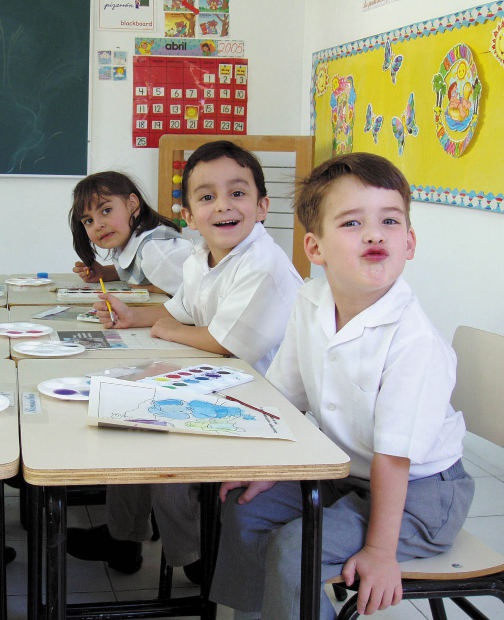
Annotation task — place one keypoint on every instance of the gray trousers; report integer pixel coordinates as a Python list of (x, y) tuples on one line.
[(128, 509), (259, 560), (177, 511)]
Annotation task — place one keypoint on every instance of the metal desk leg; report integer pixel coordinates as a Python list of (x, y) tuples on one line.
[(34, 495), (311, 551), (3, 580), (210, 510), (55, 503)]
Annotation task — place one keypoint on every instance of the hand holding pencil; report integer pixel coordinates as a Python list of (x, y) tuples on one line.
[(113, 312)]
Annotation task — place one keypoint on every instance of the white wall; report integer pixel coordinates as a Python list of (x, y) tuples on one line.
[(457, 272), (458, 269), (34, 231)]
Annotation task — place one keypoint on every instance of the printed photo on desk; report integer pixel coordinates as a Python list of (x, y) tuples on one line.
[(113, 402), (94, 339)]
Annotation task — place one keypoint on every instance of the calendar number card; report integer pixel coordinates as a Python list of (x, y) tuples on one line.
[(184, 95)]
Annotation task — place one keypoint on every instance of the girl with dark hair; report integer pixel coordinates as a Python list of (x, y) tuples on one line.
[(146, 249)]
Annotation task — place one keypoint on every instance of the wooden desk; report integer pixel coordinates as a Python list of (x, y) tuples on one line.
[(9, 459), (4, 341), (59, 449), (150, 347), (45, 295)]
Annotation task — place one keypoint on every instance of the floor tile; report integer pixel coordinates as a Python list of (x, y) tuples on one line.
[(17, 571), (84, 576), (17, 607), (485, 454), (488, 497), (489, 605), (474, 470), (404, 611), (488, 529)]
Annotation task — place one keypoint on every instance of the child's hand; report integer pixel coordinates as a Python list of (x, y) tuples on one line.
[(89, 274), (380, 579), (122, 313), (251, 490), (165, 328)]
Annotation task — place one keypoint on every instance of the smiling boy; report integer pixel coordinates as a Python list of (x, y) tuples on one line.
[(238, 285), (359, 354)]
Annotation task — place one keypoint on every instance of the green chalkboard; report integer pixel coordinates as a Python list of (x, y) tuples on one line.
[(44, 84)]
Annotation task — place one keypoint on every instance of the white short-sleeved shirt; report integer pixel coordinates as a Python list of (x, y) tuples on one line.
[(382, 383), (161, 261), (245, 300)]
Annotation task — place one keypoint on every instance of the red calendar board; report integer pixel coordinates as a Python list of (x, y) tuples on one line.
[(188, 96)]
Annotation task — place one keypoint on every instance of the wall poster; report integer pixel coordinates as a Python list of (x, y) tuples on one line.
[(428, 97)]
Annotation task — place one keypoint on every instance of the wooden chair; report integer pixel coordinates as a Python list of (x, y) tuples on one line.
[(470, 568), (172, 147)]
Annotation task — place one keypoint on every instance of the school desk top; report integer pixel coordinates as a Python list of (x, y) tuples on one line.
[(3, 291), (46, 294), (60, 448), (138, 341), (9, 441), (4, 341)]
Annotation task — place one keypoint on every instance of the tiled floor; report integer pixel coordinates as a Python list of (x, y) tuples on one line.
[(93, 581)]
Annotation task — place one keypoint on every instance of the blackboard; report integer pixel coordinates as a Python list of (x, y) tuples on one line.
[(44, 86)]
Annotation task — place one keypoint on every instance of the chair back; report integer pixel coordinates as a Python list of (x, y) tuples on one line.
[(479, 391)]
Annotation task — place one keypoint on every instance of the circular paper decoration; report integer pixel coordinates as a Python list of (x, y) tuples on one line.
[(497, 45), (458, 92)]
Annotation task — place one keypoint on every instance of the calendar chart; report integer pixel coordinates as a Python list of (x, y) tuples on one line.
[(185, 95)]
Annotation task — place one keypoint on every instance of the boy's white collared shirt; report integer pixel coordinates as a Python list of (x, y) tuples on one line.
[(380, 384), (245, 300)]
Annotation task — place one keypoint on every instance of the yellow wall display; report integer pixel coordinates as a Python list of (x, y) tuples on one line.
[(429, 97)]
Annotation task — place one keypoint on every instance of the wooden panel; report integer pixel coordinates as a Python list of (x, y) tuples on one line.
[(171, 146)]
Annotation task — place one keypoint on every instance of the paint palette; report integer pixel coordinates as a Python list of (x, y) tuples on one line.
[(28, 281), (89, 317), (203, 379), (24, 330), (48, 349), (66, 388)]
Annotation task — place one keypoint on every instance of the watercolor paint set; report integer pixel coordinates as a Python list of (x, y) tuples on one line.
[(91, 294), (203, 378)]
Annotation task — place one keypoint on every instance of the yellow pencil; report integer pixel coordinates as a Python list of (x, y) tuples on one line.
[(112, 316)]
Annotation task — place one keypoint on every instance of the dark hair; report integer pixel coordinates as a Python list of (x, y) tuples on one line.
[(370, 169), (223, 148), (109, 183)]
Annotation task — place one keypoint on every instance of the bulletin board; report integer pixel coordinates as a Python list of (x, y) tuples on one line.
[(184, 95), (427, 96), (44, 84)]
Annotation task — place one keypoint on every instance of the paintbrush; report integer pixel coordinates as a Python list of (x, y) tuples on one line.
[(109, 307)]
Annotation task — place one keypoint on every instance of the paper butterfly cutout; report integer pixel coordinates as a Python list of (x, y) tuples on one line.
[(391, 61), (405, 124), (373, 123)]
